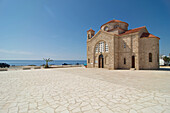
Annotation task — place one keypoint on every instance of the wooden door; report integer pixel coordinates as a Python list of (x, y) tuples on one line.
[(133, 61), (101, 64)]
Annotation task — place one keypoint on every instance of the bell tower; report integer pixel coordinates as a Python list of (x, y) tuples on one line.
[(90, 33)]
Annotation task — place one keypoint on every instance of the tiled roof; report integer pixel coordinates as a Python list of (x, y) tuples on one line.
[(90, 30), (148, 35), (132, 31), (113, 21)]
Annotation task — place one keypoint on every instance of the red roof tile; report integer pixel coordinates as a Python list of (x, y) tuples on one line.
[(132, 31), (90, 30), (113, 21), (148, 35)]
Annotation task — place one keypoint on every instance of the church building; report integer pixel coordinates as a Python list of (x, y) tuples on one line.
[(115, 46)]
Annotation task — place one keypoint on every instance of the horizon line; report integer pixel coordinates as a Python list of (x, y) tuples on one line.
[(27, 59)]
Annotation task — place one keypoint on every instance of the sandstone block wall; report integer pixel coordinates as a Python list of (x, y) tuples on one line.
[(147, 46), (122, 48)]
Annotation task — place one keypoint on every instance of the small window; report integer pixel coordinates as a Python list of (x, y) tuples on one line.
[(106, 47), (116, 26), (96, 61), (106, 28), (88, 60), (88, 36), (96, 49), (92, 36), (124, 45), (150, 57), (158, 57), (124, 60)]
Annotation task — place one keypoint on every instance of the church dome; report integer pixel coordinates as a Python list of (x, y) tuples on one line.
[(115, 24), (115, 21)]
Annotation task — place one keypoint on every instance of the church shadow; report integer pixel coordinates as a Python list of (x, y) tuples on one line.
[(164, 69)]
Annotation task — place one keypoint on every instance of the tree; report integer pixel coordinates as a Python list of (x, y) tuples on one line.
[(166, 59), (47, 60)]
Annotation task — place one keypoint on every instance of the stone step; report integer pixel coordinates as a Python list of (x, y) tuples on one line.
[(132, 68)]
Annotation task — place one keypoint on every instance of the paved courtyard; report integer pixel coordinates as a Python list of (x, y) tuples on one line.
[(81, 90)]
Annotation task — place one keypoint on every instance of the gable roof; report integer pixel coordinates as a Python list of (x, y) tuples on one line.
[(101, 31), (148, 35), (132, 30), (90, 30)]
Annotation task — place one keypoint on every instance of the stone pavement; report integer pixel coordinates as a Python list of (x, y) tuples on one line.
[(81, 90)]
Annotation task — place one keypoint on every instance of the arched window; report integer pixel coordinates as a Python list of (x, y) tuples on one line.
[(150, 57), (101, 46), (158, 57), (96, 60), (116, 26), (106, 28), (124, 60), (124, 44), (88, 60), (97, 49), (88, 36), (106, 47)]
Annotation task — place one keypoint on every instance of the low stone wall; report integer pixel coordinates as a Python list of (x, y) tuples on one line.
[(37, 67), (26, 68), (3, 69), (65, 66)]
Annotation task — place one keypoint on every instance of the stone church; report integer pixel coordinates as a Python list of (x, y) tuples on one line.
[(115, 46)]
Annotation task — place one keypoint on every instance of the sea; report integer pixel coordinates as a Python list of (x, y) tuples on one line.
[(41, 62)]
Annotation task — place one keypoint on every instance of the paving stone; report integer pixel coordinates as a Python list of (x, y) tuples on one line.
[(92, 111), (133, 111), (13, 109), (65, 111), (147, 110), (48, 110), (81, 90), (105, 110), (75, 110), (60, 108), (86, 108)]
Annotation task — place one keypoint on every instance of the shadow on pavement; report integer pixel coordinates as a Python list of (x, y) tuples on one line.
[(164, 69)]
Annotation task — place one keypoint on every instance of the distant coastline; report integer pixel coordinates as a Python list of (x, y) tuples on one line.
[(41, 62)]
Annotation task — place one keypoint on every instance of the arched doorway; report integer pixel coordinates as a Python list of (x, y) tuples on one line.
[(101, 59), (133, 61)]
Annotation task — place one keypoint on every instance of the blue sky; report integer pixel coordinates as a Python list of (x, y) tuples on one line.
[(37, 29)]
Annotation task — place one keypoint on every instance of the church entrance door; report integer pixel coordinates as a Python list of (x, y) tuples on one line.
[(133, 61), (101, 59)]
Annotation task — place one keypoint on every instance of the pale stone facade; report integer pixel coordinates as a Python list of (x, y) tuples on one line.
[(116, 47)]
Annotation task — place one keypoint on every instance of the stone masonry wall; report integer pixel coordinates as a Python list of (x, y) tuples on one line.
[(102, 36), (124, 47), (149, 45)]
